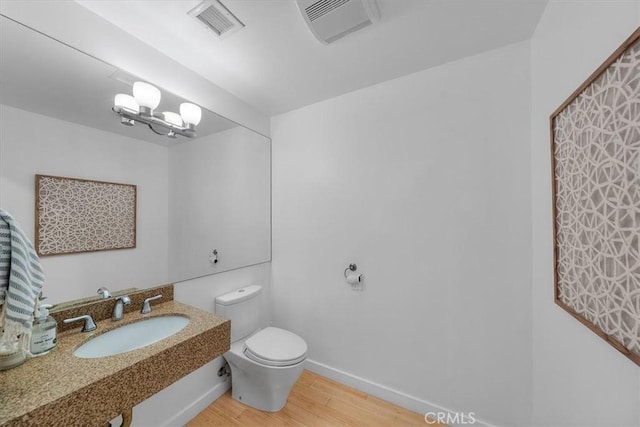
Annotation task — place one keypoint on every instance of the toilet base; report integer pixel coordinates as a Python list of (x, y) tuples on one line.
[(262, 387)]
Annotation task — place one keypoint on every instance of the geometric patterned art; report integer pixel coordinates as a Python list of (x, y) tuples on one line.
[(596, 175), (77, 215)]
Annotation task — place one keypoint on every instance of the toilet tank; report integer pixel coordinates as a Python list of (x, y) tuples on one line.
[(243, 307)]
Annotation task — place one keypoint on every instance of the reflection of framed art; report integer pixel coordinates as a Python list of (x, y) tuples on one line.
[(78, 215), (595, 144)]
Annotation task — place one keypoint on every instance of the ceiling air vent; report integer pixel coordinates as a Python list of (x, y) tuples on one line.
[(330, 20), (216, 17)]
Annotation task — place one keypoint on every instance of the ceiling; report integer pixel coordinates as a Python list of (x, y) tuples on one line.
[(277, 65), (44, 76)]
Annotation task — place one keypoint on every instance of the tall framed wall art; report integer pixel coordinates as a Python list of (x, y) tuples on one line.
[(595, 146)]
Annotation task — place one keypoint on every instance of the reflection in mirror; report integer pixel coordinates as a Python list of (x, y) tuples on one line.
[(82, 301), (219, 189), (195, 196)]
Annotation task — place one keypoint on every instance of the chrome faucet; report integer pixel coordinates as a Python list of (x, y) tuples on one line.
[(146, 306), (89, 324), (104, 292), (118, 309)]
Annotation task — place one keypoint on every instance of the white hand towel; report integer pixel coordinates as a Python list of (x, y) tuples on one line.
[(21, 281)]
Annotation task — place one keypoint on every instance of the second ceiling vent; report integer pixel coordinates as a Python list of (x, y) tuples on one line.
[(330, 20), (216, 17)]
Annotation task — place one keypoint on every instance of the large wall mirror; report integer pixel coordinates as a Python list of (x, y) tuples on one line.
[(195, 196)]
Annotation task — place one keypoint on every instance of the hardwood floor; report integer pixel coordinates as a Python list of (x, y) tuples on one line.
[(314, 401)]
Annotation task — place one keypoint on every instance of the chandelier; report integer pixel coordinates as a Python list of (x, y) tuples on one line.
[(140, 107)]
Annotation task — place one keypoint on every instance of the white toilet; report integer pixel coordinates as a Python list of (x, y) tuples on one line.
[(265, 363)]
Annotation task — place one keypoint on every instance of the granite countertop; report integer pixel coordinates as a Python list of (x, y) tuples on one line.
[(61, 389)]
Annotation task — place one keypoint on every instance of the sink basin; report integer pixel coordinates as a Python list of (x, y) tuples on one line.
[(131, 337)]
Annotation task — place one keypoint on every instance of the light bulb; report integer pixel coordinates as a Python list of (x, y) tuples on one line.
[(173, 118), (126, 101), (191, 113), (146, 95)]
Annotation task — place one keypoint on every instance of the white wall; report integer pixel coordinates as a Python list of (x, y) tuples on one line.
[(424, 182), (33, 144), (578, 379)]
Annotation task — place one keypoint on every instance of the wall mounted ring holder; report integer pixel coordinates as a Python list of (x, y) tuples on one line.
[(213, 256), (352, 267)]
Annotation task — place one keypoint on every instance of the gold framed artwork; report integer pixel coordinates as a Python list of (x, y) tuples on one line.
[(78, 215), (595, 146)]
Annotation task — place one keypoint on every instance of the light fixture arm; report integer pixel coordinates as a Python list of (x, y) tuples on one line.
[(152, 120), (156, 132)]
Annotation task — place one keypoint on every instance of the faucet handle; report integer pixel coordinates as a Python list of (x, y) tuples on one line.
[(89, 324), (104, 292), (146, 306)]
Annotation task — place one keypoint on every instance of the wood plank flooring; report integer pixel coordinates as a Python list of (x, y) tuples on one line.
[(314, 401)]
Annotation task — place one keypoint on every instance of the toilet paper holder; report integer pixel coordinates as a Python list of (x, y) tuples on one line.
[(353, 278), (352, 267)]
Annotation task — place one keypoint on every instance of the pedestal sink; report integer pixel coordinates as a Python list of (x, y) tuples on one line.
[(131, 337)]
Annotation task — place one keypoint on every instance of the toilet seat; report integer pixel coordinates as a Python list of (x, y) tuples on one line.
[(275, 347)]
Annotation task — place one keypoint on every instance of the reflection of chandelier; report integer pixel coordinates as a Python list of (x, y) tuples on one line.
[(140, 106)]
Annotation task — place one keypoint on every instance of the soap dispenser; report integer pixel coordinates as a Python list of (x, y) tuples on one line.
[(44, 333)]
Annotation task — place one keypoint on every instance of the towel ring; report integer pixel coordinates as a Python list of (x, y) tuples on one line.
[(352, 267)]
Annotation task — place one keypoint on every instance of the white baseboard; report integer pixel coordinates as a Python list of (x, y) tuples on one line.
[(188, 413), (385, 393)]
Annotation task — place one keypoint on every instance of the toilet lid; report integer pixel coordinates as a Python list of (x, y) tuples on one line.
[(275, 347)]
